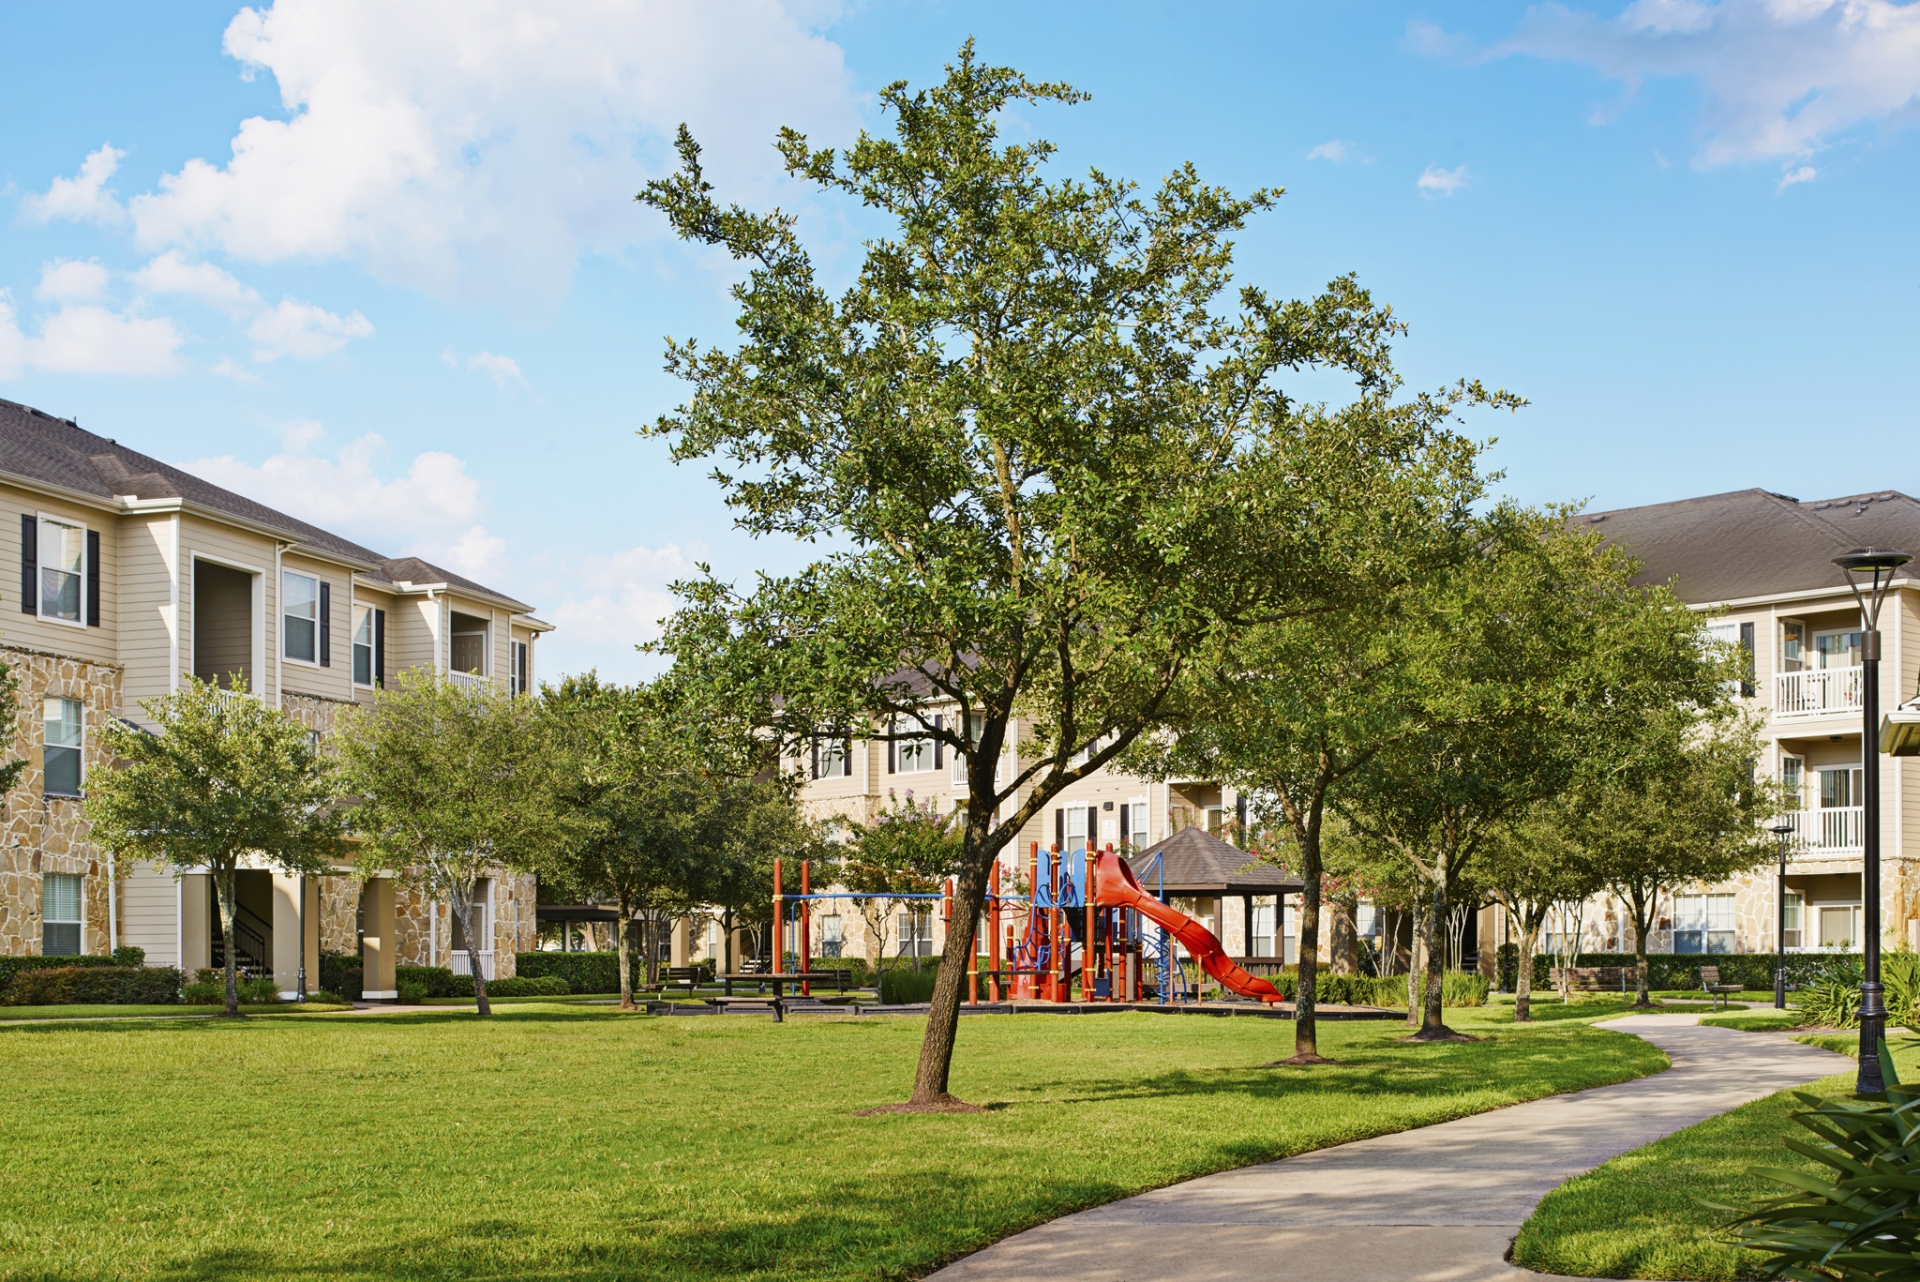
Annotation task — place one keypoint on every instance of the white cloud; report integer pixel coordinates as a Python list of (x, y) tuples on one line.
[(1435, 181), (348, 493), (480, 147), (1781, 78), (13, 344), (300, 435), (1804, 174), (1332, 149), (83, 197), (66, 280), (227, 367), (303, 331), (477, 554), (501, 369), (621, 598), (86, 339), (172, 273)]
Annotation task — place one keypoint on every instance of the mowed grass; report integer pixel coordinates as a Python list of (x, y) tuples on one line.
[(556, 1142), (1640, 1215)]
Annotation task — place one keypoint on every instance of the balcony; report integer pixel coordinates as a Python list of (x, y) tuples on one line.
[(468, 680), (1816, 692), (1828, 831)]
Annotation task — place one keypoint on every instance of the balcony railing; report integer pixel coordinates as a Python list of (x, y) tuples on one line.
[(1830, 830), (467, 680), (1817, 692), (463, 965)]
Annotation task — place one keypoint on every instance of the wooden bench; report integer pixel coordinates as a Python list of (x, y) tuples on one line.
[(1711, 985), (1604, 979), (687, 977)]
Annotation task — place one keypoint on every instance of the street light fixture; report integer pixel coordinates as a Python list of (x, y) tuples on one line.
[(1781, 830), (1877, 566)]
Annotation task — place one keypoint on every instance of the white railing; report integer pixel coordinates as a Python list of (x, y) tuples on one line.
[(460, 966), (228, 698), (1827, 830), (1817, 692), (467, 680)]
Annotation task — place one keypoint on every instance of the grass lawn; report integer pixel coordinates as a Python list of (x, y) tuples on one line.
[(131, 1011), (1759, 1021), (558, 1141), (1637, 1216)]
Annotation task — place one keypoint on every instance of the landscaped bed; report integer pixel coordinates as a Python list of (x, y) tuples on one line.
[(561, 1141), (1639, 1216)]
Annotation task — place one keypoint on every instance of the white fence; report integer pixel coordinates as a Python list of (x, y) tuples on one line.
[(1817, 692), (1834, 829), (460, 966)]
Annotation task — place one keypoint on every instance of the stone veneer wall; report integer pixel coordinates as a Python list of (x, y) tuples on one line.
[(49, 834), (426, 929)]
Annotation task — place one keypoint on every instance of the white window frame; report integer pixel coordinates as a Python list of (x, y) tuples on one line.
[(829, 748), (1077, 811), (1796, 917), (40, 568), (486, 649), (1139, 821), (921, 748), (80, 787), (519, 660), (356, 613), (1708, 900), (79, 920), (281, 606)]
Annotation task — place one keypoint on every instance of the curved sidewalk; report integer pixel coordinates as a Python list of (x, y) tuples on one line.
[(1437, 1204)]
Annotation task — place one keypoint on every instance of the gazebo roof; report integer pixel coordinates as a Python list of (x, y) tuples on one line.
[(1198, 863)]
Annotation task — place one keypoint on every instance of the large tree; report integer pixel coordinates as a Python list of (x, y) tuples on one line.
[(1048, 442), (455, 786), (226, 780)]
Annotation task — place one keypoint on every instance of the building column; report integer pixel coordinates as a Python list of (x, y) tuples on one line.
[(682, 942), (293, 921), (381, 947), (196, 923)]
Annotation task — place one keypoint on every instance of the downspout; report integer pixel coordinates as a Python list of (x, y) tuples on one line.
[(113, 906), (280, 645)]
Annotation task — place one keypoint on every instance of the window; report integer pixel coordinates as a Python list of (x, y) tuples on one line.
[(63, 569), (1076, 828), (1265, 907), (300, 616), (1837, 649), (470, 652), (1793, 646), (1793, 779), (60, 915), (916, 933), (1839, 925), (1703, 923), (830, 758), (1839, 788), (517, 667), (66, 731), (1795, 906), (831, 936), (363, 645), (482, 919), (910, 756)]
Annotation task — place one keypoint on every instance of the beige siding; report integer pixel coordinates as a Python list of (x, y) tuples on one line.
[(415, 635), (335, 681), (149, 914), (239, 549), (56, 635), (146, 609)]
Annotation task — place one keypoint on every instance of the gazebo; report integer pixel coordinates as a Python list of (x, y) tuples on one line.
[(1194, 864)]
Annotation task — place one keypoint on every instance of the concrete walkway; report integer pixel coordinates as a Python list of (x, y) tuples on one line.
[(1438, 1204)]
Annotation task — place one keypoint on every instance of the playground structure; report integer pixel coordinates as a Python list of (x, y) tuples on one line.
[(1081, 915)]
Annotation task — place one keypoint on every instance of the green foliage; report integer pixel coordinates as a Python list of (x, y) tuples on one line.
[(1458, 988), (1860, 1218), (204, 992), (1507, 962), (583, 972), (1680, 972), (411, 992), (529, 986), (128, 955), (322, 997), (10, 967), (95, 985), (261, 990), (341, 973), (1834, 1003), (10, 771), (902, 985), (434, 981)]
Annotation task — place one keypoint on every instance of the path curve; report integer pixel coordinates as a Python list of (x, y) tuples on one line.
[(1437, 1204)]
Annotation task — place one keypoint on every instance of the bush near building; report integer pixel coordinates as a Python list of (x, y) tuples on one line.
[(1677, 972), (584, 972), (95, 985)]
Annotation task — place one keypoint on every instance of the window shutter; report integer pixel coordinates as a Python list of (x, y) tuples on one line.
[(846, 746), (29, 563), (1746, 644), (326, 625), (893, 748), (1126, 810), (93, 579), (938, 723), (1060, 828), (380, 648), (816, 758), (1093, 827)]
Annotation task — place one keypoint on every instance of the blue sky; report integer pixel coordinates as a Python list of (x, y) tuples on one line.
[(379, 264)]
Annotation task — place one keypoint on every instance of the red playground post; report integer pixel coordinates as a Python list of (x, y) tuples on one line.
[(806, 937)]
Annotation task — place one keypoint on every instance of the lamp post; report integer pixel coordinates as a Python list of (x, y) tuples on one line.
[(1781, 831), (1877, 565)]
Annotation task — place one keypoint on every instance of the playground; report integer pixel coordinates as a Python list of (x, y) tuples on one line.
[(561, 1140)]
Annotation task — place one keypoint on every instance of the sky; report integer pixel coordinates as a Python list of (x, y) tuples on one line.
[(380, 265)]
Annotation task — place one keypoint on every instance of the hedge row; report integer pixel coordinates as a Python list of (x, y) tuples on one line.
[(1679, 971), (584, 972), (95, 985), (10, 967)]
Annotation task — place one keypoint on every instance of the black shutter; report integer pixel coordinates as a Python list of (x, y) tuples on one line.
[(1126, 810), (29, 564), (1746, 644), (1059, 829), (893, 748), (326, 626), (380, 648), (846, 747), (816, 758), (1093, 827), (93, 579), (938, 755)]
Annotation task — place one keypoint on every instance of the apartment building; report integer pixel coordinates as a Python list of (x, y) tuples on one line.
[(134, 576)]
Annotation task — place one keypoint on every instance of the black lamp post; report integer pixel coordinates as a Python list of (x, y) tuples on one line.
[(1878, 564), (1781, 831)]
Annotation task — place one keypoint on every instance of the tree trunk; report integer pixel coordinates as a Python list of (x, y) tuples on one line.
[(1642, 911), (1523, 973), (1416, 963), (1432, 1023), (1345, 943), (943, 1019), (626, 971), (463, 904), (223, 882), (1306, 1038)]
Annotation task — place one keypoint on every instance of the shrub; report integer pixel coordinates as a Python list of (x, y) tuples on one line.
[(1681, 971), (259, 990), (96, 985), (529, 986), (1863, 1219), (204, 992), (1459, 988), (1833, 1002), (584, 972), (434, 981), (128, 955), (321, 997), (341, 973), (412, 991), (903, 986), (1507, 962), (13, 966)]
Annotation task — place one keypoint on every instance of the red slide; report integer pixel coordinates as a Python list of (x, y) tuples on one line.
[(1116, 887)]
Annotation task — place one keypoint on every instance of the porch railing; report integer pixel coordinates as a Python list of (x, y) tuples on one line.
[(460, 966), (1817, 692), (1830, 829), (467, 680)]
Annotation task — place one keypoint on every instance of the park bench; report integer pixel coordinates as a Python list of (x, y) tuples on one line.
[(1711, 985), (687, 977), (1604, 979)]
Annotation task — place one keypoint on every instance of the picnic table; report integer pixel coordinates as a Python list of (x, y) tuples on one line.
[(760, 978)]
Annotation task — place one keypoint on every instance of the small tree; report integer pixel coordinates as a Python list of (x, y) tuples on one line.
[(225, 779), (905, 849), (455, 784), (1529, 865)]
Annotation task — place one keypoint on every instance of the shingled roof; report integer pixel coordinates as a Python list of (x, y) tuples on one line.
[(1198, 863), (35, 446), (1755, 543)]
